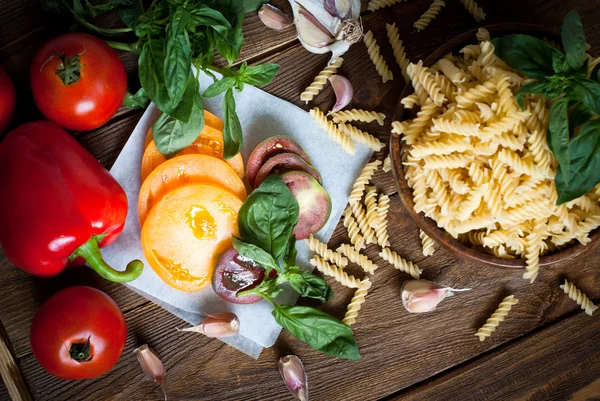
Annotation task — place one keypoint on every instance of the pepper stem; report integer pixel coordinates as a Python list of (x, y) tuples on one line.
[(81, 351), (91, 253)]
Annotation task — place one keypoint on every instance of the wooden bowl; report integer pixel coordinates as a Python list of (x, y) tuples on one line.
[(428, 225)]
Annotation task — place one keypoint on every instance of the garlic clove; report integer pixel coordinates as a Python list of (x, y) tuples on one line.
[(224, 324), (311, 31), (419, 296), (152, 366), (273, 18), (343, 92), (339, 8), (294, 376)]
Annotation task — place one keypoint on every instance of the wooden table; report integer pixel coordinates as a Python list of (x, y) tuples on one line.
[(547, 349)]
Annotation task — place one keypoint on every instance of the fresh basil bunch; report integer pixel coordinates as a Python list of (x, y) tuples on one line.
[(266, 221), (563, 77), (173, 36)]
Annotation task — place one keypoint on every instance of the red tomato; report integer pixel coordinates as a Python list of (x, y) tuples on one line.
[(78, 81), (79, 333), (8, 100)]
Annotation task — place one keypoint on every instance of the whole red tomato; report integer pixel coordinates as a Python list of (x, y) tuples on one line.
[(78, 81), (79, 333), (8, 100)]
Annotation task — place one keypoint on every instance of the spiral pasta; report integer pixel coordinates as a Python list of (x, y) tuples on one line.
[(363, 179), (333, 271), (429, 15), (473, 9), (320, 80), (356, 257), (387, 164), (533, 248), (421, 77), (381, 233), (576, 295), (371, 205), (377, 59), (447, 67), (410, 101), (320, 248), (356, 303), (483, 35), (363, 224), (332, 131), (427, 244), (361, 136), (473, 95), (441, 147), (398, 48), (353, 231), (357, 115), (399, 263), (497, 317), (377, 4)]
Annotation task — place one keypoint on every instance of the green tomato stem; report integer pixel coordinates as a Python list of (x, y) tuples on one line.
[(119, 45)]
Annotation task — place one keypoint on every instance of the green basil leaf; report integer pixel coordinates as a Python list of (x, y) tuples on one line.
[(585, 164), (229, 46), (253, 5), (268, 216), (129, 13), (257, 254), (319, 330), (307, 284), (232, 128), (578, 116), (537, 88), (558, 135), (139, 100), (178, 55), (291, 253), (595, 75), (203, 15), (531, 56), (573, 39), (589, 92), (559, 63), (258, 75), (218, 87)]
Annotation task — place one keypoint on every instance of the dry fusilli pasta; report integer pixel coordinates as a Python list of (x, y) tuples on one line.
[(377, 4), (427, 244), (356, 257), (320, 248), (576, 295), (429, 15), (377, 59), (387, 164), (497, 317), (363, 224), (356, 303), (357, 115), (473, 9), (383, 205), (333, 271), (361, 136), (363, 179), (332, 131), (320, 80), (423, 78), (399, 263), (399, 53), (353, 231)]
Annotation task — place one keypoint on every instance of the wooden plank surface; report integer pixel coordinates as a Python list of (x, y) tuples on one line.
[(400, 350)]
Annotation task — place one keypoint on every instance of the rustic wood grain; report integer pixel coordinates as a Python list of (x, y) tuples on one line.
[(10, 372), (400, 350)]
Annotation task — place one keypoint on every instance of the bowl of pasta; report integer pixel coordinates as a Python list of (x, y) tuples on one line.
[(474, 169)]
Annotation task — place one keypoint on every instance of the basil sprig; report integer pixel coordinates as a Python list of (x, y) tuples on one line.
[(563, 78), (172, 36), (266, 221)]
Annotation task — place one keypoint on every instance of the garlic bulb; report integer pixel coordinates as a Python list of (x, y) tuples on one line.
[(327, 25)]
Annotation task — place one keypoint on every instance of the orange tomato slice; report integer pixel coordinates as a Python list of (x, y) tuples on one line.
[(186, 232), (187, 169), (237, 163), (152, 159)]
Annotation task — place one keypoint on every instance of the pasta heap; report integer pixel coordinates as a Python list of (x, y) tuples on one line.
[(480, 166), (429, 15), (377, 59), (320, 80), (497, 317)]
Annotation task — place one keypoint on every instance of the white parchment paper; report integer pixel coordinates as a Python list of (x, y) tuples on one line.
[(262, 116)]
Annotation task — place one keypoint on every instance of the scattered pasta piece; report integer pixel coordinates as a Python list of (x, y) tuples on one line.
[(320, 80), (377, 4), (356, 303), (332, 131), (363, 224), (483, 35), (356, 257), (373, 217), (377, 59), (399, 263), (387, 164), (361, 136), (353, 231), (357, 115), (579, 297), (429, 15), (320, 248), (428, 244), (497, 317), (363, 180), (398, 48), (381, 233), (333, 271), (473, 9)]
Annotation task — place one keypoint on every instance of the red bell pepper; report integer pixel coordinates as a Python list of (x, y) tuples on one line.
[(58, 204)]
